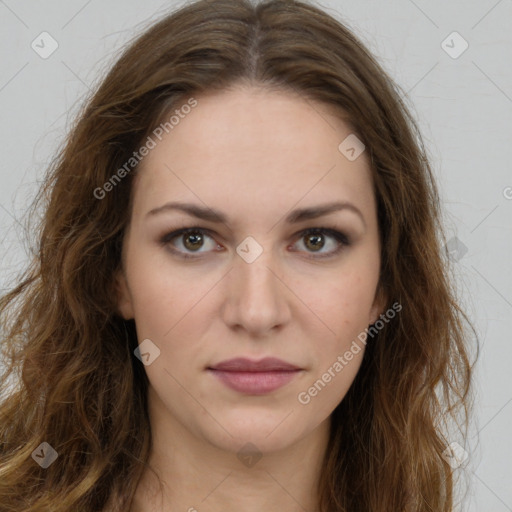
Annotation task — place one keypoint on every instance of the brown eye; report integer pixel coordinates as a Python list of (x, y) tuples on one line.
[(193, 240), (316, 239), (189, 240), (314, 242)]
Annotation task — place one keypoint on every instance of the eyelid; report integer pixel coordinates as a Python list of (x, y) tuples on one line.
[(341, 238)]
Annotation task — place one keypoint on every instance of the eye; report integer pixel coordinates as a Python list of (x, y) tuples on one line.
[(316, 239), (192, 240)]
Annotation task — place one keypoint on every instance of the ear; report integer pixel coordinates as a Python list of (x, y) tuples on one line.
[(123, 296), (378, 306)]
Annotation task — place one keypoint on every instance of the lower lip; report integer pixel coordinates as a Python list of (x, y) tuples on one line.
[(255, 383)]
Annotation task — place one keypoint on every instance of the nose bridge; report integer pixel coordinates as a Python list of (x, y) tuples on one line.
[(257, 297), (252, 271), (257, 276)]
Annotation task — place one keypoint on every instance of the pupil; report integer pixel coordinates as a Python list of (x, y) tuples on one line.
[(316, 239), (196, 240)]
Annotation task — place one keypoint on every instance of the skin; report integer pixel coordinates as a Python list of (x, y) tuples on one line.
[(255, 155)]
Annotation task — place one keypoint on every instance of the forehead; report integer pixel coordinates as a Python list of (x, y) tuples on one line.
[(251, 146)]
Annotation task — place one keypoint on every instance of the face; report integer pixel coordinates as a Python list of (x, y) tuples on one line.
[(256, 169)]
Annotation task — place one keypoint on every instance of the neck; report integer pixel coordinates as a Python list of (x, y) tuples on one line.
[(195, 475)]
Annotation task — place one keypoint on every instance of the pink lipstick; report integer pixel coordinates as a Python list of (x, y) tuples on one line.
[(254, 377)]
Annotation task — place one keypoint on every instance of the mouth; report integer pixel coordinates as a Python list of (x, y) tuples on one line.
[(254, 377)]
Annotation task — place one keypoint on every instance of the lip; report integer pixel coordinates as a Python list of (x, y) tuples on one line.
[(242, 364), (254, 377)]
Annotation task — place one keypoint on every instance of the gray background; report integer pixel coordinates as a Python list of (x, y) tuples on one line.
[(463, 106)]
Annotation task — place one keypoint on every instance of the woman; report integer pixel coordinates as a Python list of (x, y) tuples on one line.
[(240, 298)]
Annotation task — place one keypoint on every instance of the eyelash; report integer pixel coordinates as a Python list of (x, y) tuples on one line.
[(342, 239)]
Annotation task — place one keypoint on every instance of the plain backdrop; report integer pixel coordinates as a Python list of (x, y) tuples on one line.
[(453, 62)]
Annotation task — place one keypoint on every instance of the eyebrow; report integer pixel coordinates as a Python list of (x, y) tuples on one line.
[(299, 215)]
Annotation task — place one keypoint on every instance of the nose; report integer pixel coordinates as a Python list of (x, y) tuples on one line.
[(257, 298)]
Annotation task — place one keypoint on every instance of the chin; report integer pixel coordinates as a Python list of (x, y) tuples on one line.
[(268, 432)]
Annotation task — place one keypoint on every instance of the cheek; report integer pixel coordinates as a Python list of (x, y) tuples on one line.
[(171, 308), (160, 292), (157, 303), (343, 303), (154, 303), (337, 352)]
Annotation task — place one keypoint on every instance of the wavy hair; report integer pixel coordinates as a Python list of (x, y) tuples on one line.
[(71, 378)]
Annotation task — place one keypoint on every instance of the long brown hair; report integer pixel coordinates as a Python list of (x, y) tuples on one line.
[(72, 380)]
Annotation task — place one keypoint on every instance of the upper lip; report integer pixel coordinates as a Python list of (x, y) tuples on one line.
[(242, 364)]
